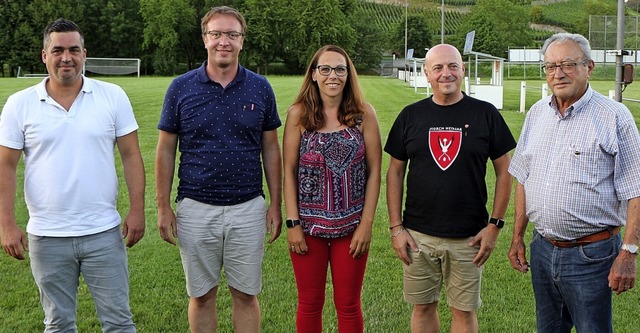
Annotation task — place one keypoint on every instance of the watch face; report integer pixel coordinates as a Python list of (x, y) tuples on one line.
[(632, 248)]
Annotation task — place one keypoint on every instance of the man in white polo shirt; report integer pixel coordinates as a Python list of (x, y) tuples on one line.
[(67, 127)]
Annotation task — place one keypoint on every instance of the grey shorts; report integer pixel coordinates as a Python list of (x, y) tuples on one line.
[(441, 261), (211, 237)]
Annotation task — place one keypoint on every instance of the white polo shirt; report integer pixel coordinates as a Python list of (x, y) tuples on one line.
[(70, 186)]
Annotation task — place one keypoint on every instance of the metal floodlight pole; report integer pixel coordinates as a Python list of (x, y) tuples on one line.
[(442, 23), (406, 27), (619, 53), (406, 20)]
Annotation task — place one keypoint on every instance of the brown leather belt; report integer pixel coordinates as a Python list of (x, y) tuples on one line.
[(598, 236)]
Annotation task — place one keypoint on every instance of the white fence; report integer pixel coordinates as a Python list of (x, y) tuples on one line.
[(523, 94)]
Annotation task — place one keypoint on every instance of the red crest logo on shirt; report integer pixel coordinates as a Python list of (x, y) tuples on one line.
[(445, 146)]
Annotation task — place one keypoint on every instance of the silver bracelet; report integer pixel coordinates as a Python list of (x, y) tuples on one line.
[(397, 233)]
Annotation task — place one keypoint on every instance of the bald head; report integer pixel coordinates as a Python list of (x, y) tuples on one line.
[(443, 51), (444, 69)]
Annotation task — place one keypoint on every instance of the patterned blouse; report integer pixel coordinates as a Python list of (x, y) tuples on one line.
[(331, 182)]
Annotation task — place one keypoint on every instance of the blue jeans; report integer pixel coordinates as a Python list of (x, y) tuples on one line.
[(56, 264), (571, 285)]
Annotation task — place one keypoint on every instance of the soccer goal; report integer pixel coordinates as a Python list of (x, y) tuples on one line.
[(23, 75), (113, 66)]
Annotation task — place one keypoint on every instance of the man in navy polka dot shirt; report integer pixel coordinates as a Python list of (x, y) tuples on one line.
[(223, 119)]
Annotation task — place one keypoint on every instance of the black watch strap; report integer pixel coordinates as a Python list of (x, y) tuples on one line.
[(292, 223), (497, 222)]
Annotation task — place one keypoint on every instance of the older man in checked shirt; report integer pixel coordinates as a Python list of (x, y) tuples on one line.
[(578, 169)]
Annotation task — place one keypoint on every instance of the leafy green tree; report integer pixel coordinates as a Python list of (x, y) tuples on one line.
[(419, 35), (496, 30), (292, 30), (14, 51), (370, 38), (348, 6), (4, 35), (42, 12), (26, 51), (107, 25), (110, 26), (267, 28), (317, 23), (237, 4), (27, 34), (166, 24)]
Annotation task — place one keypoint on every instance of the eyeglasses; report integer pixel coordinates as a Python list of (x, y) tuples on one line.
[(233, 35), (565, 67), (325, 70)]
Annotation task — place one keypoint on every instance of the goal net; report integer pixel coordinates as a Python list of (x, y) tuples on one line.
[(23, 75), (113, 66)]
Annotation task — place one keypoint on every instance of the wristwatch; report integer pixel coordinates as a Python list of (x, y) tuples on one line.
[(498, 222), (292, 223), (631, 248)]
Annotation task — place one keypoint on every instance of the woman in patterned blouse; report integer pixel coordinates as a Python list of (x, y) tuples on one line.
[(332, 160)]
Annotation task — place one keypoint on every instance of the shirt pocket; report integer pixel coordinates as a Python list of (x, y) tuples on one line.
[(583, 166), (251, 115)]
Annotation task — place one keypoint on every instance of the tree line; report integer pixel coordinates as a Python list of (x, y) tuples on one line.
[(166, 34)]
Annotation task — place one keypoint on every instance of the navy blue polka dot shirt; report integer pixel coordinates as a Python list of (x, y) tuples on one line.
[(219, 134)]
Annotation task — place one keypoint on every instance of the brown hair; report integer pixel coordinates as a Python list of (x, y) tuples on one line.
[(351, 107), (222, 10)]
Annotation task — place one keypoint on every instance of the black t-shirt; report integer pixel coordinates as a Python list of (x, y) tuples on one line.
[(448, 148)]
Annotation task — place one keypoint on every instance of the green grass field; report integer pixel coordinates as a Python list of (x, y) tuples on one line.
[(158, 297)]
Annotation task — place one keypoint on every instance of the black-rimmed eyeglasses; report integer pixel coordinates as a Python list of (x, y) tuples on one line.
[(233, 35), (325, 70), (565, 67)]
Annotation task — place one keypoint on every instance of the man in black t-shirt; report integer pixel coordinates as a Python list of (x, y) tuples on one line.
[(445, 235)]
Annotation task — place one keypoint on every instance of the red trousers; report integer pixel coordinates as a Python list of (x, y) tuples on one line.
[(347, 275)]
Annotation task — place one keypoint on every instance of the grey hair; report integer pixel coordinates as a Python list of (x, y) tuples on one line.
[(563, 37)]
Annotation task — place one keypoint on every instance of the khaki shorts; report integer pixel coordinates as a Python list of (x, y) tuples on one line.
[(441, 261), (210, 237)]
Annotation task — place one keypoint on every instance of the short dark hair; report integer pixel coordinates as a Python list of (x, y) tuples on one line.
[(60, 25)]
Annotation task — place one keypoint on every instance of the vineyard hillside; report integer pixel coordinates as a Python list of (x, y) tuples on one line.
[(547, 16)]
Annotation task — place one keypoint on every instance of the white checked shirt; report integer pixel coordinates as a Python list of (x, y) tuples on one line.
[(579, 170)]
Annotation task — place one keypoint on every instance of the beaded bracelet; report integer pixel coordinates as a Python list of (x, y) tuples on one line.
[(397, 233)]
